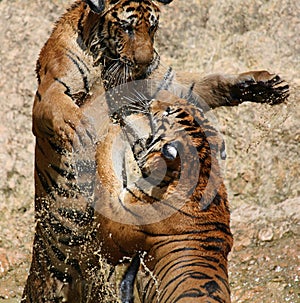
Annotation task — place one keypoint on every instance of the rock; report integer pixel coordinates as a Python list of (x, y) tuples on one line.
[(266, 234)]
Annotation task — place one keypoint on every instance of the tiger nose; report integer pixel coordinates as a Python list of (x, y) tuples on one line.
[(143, 55)]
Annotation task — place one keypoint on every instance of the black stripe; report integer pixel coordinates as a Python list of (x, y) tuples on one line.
[(214, 226), (182, 277), (129, 9), (176, 111), (197, 293), (70, 175), (199, 264), (203, 144), (58, 149), (70, 192), (109, 25), (210, 127), (191, 129), (128, 2), (134, 195), (224, 282), (213, 239), (64, 234), (211, 259), (213, 248), (67, 91), (124, 175), (84, 77), (198, 134), (37, 70), (73, 240), (147, 195), (44, 259), (210, 133), (133, 16), (223, 227), (189, 241), (156, 140), (77, 216), (182, 115), (38, 95), (185, 264), (80, 60), (44, 182), (59, 255), (211, 287), (188, 123), (191, 293), (75, 264), (63, 277), (57, 227), (223, 267), (115, 15), (127, 209), (196, 256)]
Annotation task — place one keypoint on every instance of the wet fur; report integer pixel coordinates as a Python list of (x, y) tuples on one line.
[(190, 247), (74, 65)]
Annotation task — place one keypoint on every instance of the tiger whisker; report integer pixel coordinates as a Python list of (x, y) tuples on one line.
[(111, 58), (112, 69), (136, 109)]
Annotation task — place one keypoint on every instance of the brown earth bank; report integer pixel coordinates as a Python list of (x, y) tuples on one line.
[(263, 165)]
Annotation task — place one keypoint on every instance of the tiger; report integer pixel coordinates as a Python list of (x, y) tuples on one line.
[(104, 43), (187, 248), (190, 246), (95, 46)]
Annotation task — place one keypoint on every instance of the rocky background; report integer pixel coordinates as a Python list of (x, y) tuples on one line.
[(263, 165)]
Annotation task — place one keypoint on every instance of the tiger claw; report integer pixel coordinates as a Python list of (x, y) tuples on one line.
[(280, 90), (269, 89)]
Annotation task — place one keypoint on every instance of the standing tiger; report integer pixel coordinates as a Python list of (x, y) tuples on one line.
[(95, 46)]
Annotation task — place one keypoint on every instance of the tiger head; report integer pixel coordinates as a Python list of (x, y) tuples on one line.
[(120, 35)]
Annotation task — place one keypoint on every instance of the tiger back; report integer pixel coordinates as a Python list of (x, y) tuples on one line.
[(190, 248)]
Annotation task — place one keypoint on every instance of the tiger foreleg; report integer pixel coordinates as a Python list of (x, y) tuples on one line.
[(230, 90), (58, 118)]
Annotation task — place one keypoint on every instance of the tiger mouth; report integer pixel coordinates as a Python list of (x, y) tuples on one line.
[(117, 71)]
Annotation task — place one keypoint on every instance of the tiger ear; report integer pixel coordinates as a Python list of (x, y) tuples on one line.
[(165, 1), (97, 6)]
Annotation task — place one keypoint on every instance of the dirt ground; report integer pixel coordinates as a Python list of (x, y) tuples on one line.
[(263, 165)]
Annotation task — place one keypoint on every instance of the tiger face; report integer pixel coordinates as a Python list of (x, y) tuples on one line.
[(120, 36)]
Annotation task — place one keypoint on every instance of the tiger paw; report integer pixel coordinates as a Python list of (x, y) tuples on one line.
[(84, 136), (260, 87)]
